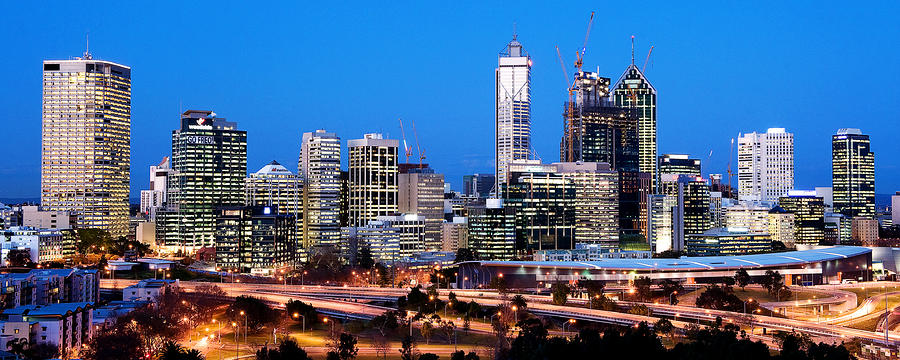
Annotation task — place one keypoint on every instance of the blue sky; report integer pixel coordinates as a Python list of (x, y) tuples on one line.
[(282, 69)]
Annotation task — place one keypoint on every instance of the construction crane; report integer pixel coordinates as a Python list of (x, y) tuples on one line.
[(730, 173), (570, 111), (418, 149), (406, 149)]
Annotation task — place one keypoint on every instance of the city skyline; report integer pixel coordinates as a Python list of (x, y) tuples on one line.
[(810, 113)]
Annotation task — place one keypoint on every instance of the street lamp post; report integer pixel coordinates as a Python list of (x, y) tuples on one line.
[(745, 305), (672, 302), (296, 315), (571, 321), (246, 328), (515, 310)]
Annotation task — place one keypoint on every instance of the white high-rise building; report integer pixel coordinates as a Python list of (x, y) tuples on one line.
[(155, 198), (765, 165), (86, 142), (513, 108), (320, 169), (374, 190)]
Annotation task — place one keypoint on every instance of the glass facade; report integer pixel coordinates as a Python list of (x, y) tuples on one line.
[(373, 179), (809, 218), (853, 174), (255, 239), (634, 91), (320, 169), (513, 107), (492, 232)]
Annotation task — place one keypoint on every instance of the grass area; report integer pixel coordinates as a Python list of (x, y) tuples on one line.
[(751, 292), (868, 325)]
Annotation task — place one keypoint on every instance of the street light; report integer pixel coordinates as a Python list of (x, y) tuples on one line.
[(515, 310), (296, 315), (246, 328), (571, 321), (672, 302), (745, 304)]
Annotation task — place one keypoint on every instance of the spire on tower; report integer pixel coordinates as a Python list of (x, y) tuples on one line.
[(87, 49), (515, 33), (632, 49)]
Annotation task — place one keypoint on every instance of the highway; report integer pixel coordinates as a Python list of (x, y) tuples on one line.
[(332, 298)]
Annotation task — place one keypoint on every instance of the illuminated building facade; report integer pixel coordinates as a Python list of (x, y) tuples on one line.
[(422, 192), (209, 165), (277, 187), (320, 169), (513, 108), (373, 186), (765, 165), (86, 142), (492, 231), (255, 239), (634, 91), (809, 216), (852, 174), (679, 164), (728, 241)]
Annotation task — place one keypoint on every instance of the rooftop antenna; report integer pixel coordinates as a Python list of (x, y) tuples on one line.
[(87, 49), (632, 49), (515, 33)]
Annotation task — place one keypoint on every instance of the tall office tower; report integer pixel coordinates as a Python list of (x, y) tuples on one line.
[(765, 165), (678, 164), (320, 168), (513, 108), (634, 91), (852, 174), (86, 141), (596, 202), (809, 216), (694, 193), (278, 188), (665, 222), (209, 165), (255, 239), (478, 185), (373, 178), (716, 210), (492, 231), (422, 192), (155, 198), (345, 199)]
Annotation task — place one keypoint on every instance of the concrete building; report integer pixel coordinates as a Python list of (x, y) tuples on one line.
[(65, 325), (320, 168), (43, 244), (454, 234), (838, 229), (33, 216), (86, 141), (596, 202), (864, 231), (665, 229), (827, 195), (209, 165), (421, 192), (155, 198), (853, 173), (255, 239), (492, 231), (277, 187), (765, 165), (512, 108), (147, 290), (748, 215), (727, 241), (49, 286), (694, 195), (588, 252), (373, 181), (781, 226), (809, 216)]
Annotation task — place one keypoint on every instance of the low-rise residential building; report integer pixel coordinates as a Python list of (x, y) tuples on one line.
[(147, 290), (865, 230), (66, 325)]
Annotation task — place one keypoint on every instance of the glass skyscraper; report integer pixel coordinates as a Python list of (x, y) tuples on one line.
[(513, 108), (852, 174), (86, 141), (634, 91), (320, 168), (209, 164)]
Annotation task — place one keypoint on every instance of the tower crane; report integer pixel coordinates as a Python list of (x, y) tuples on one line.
[(406, 149), (570, 116), (418, 148)]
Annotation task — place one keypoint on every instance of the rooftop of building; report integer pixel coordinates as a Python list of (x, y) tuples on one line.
[(729, 231), (686, 263)]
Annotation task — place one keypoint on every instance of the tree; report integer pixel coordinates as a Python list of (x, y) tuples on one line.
[(408, 349), (728, 281), (19, 258), (428, 356), (174, 351), (256, 313), (602, 302), (664, 326), (519, 302), (365, 259), (461, 355), (287, 350), (642, 285), (427, 331), (387, 321), (668, 254), (593, 287), (742, 278), (124, 344), (773, 282), (499, 283), (92, 240), (464, 254), (639, 309), (560, 293), (670, 288), (719, 298), (381, 345), (344, 347), (301, 311)]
